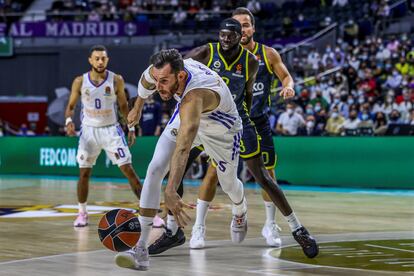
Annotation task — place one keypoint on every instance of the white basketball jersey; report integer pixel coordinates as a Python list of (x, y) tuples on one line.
[(200, 76), (99, 102)]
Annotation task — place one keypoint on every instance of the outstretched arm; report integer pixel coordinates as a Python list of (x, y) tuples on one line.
[(70, 109), (200, 54), (280, 70), (190, 112)]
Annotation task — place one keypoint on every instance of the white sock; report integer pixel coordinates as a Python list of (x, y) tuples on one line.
[(172, 224), (146, 226), (270, 209), (241, 208), (293, 221), (202, 209), (82, 208)]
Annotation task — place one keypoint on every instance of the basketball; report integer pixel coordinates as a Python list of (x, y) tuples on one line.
[(119, 230)]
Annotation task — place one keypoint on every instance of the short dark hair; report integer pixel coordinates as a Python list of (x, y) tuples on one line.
[(242, 10), (99, 48), (169, 56)]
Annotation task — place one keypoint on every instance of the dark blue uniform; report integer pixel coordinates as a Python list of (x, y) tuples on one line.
[(151, 118), (260, 106), (235, 76)]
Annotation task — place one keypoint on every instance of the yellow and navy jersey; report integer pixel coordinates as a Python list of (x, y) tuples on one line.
[(235, 75), (263, 83)]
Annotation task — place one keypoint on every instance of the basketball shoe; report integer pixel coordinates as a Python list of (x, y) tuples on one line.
[(198, 237), (167, 241), (135, 258), (238, 228), (81, 220), (307, 242), (270, 232)]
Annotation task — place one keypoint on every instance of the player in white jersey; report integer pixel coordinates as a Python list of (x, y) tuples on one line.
[(101, 91), (206, 114)]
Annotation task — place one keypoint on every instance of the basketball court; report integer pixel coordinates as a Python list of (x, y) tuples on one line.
[(361, 232)]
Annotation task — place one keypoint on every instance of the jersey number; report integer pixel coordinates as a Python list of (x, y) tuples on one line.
[(98, 104)]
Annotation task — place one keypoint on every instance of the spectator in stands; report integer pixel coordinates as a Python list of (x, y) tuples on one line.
[(380, 123), (25, 131), (321, 120), (395, 117), (289, 121), (406, 105), (394, 80), (365, 116), (334, 123), (402, 66), (94, 16), (351, 31), (165, 118), (150, 124), (351, 124), (319, 102), (309, 128)]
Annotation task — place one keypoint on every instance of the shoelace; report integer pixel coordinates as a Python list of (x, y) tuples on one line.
[(302, 239), (198, 233), (274, 229)]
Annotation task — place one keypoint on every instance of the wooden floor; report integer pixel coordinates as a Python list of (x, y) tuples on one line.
[(37, 237)]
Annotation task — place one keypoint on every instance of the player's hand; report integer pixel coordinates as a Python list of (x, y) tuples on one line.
[(176, 205), (133, 118), (287, 93), (131, 138), (70, 129)]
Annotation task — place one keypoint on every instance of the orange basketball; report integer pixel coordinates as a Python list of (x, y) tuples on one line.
[(119, 230)]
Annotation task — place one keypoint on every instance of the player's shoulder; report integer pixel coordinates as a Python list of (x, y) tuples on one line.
[(118, 77), (78, 80), (271, 53)]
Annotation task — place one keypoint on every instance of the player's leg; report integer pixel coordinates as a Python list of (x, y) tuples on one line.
[(88, 151), (270, 230), (149, 204), (133, 179), (223, 151), (206, 193), (299, 232), (174, 235)]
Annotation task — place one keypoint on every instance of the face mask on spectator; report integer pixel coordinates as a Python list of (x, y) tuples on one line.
[(352, 116), (289, 111), (394, 73), (364, 117), (361, 100), (318, 108), (334, 115), (337, 100), (394, 117), (309, 111), (389, 100), (350, 101), (310, 124)]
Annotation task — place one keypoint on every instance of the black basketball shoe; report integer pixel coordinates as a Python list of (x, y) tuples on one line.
[(167, 241), (307, 242)]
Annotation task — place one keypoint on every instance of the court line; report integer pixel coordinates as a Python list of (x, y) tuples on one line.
[(392, 248), (248, 185), (91, 252)]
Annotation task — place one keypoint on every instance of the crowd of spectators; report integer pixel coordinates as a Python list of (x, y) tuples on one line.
[(372, 93)]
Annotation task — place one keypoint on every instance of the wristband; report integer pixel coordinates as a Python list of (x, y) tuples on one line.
[(131, 129), (68, 120)]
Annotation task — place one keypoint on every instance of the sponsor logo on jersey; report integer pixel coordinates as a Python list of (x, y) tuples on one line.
[(174, 132), (107, 91), (239, 68), (216, 64)]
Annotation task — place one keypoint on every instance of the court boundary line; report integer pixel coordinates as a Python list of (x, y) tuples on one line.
[(391, 248)]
